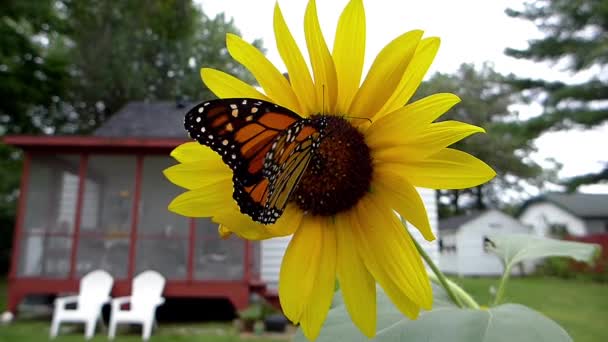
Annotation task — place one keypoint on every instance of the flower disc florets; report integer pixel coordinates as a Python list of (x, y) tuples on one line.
[(339, 173)]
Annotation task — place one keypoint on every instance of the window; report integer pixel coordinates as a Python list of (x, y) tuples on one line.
[(162, 237), (50, 211), (107, 207)]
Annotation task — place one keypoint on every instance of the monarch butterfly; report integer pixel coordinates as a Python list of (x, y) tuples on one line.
[(268, 148)]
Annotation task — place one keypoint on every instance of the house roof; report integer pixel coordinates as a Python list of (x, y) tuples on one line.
[(146, 120), (579, 204), (454, 222)]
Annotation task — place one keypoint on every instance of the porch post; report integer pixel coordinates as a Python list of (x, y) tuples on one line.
[(21, 203), (82, 175), (135, 217)]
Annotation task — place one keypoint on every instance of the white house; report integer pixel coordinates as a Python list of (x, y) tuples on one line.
[(576, 214), (463, 241), (274, 249)]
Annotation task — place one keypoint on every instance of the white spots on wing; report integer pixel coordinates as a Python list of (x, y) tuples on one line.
[(249, 118), (235, 113), (198, 118), (244, 102), (229, 127), (233, 106), (203, 129), (210, 136), (200, 110), (254, 110), (233, 156), (225, 142)]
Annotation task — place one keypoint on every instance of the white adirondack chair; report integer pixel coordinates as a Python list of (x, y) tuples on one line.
[(94, 292), (146, 296)]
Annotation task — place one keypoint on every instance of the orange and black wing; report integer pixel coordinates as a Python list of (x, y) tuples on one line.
[(243, 132), (287, 162)]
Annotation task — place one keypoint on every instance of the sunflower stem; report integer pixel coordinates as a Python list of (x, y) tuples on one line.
[(501, 287), (442, 279)]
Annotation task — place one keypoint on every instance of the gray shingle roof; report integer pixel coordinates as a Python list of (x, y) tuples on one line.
[(455, 222), (146, 120), (581, 205)]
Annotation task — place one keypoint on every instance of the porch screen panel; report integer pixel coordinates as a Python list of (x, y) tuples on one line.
[(216, 258), (162, 237), (106, 216), (48, 222)]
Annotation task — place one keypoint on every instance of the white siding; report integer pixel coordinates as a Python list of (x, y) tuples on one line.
[(274, 249), (470, 258), (542, 215)]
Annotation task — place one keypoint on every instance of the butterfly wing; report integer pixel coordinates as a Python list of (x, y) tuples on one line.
[(268, 147), (286, 163), (239, 130)]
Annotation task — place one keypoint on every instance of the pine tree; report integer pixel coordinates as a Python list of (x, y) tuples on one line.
[(575, 35)]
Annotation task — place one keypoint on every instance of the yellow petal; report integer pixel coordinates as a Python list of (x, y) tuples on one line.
[(391, 257), (324, 71), (320, 299), (197, 174), (242, 225), (193, 151), (299, 75), (226, 86), (356, 283), (349, 53), (299, 268), (447, 169), (384, 75), (409, 120), (307, 277), (288, 223), (417, 68), (223, 231), (430, 141), (203, 202), (274, 83), (399, 194)]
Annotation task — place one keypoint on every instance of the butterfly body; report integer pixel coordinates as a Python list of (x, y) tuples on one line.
[(268, 148)]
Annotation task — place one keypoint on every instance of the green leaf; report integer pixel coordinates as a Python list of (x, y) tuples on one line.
[(446, 322), (518, 247)]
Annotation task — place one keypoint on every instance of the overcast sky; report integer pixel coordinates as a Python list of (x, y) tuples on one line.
[(470, 31)]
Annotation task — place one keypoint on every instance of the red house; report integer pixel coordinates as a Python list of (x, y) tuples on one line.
[(100, 202)]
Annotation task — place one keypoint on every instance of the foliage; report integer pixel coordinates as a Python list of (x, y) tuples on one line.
[(575, 37), (137, 50), (486, 97)]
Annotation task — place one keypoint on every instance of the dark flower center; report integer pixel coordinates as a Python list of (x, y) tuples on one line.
[(339, 173)]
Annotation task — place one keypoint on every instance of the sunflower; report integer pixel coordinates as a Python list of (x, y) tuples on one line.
[(346, 216)]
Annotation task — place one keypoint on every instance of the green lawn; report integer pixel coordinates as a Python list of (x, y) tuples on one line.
[(581, 307)]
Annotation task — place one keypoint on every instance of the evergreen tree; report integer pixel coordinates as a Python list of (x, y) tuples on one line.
[(575, 35)]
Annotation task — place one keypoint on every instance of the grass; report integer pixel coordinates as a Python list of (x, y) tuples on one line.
[(579, 306)]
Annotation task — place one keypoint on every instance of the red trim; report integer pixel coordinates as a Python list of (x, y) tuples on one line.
[(78, 143), (82, 175), (135, 217), (23, 188), (191, 249)]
